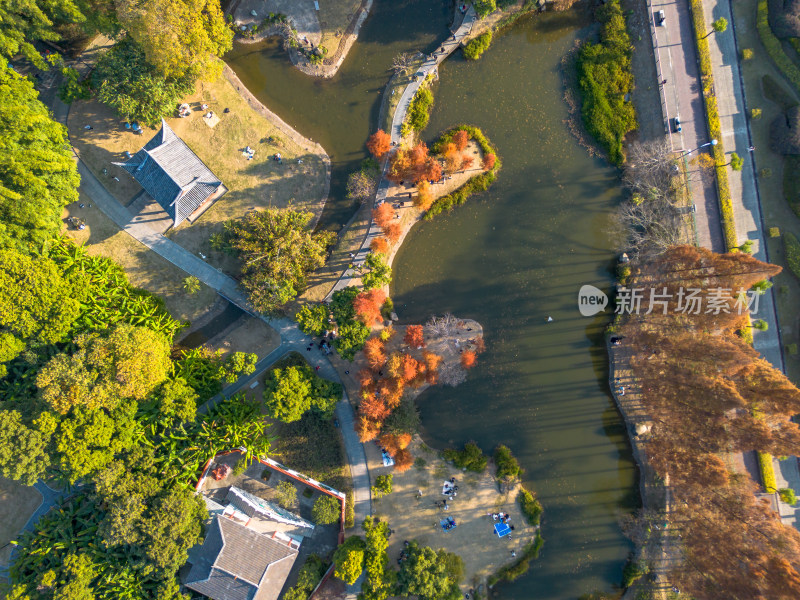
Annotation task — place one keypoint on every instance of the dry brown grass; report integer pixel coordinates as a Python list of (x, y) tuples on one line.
[(17, 503), (252, 184), (144, 268), (473, 539)]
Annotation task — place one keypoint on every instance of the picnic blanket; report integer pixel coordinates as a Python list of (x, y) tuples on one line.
[(502, 529)]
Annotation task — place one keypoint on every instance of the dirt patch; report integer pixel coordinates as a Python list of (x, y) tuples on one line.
[(17, 503), (415, 517), (300, 179), (145, 268)]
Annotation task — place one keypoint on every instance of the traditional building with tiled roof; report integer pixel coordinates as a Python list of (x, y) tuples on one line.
[(174, 176), (237, 563)]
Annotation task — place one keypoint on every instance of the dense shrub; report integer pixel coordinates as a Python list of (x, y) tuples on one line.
[(477, 46), (308, 577), (633, 571), (508, 468), (530, 506), (326, 510), (518, 568), (419, 111), (484, 7), (471, 457), (350, 510), (767, 472), (605, 79)]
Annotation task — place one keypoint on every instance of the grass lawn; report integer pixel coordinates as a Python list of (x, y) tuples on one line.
[(776, 210), (252, 184), (17, 503), (145, 268)]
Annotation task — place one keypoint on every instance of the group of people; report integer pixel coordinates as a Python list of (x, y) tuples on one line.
[(249, 153), (448, 523), (504, 518)]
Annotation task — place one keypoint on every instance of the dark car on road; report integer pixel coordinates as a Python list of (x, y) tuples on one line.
[(676, 125)]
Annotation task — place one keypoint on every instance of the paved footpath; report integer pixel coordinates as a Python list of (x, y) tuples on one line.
[(431, 63), (747, 206)]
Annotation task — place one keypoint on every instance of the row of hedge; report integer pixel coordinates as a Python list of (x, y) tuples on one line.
[(714, 128), (518, 568), (477, 46), (792, 247), (419, 111), (774, 48), (767, 472), (479, 183)]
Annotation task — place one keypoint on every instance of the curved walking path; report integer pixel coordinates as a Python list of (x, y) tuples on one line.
[(431, 63)]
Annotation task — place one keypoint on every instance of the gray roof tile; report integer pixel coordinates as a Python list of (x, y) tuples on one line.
[(172, 174)]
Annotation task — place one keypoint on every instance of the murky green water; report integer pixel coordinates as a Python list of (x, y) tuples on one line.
[(508, 258)]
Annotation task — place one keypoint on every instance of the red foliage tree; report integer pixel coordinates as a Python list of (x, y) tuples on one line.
[(383, 214), (368, 306), (392, 231), (389, 443), (419, 155), (468, 359), (379, 245), (379, 143), (466, 162), (461, 139), (403, 440), (403, 461), (489, 161), (414, 336), (431, 171), (374, 353)]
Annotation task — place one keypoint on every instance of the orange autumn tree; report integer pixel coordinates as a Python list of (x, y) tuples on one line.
[(403, 461), (375, 353), (392, 231), (489, 161), (379, 144), (452, 158), (424, 198), (411, 367), (468, 359), (368, 306), (432, 362), (379, 245), (466, 162), (367, 429), (414, 336), (460, 139), (383, 214)]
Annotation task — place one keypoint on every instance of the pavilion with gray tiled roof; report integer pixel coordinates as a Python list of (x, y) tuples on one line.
[(174, 176), (237, 563)]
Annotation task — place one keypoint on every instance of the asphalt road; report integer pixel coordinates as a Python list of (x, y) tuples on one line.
[(682, 96)]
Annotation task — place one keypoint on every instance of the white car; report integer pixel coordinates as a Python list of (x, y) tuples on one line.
[(660, 18)]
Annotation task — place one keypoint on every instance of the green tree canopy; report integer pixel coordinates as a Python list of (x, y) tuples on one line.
[(326, 510), (379, 272), (126, 82), (380, 580), (37, 305), (292, 391), (23, 449), (349, 559), (23, 22), (277, 251), (430, 574), (38, 176), (178, 37), (313, 318), (129, 363)]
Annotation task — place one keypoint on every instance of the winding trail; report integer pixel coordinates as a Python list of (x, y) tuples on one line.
[(431, 63)]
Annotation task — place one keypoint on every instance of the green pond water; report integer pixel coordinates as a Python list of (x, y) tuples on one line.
[(509, 258)]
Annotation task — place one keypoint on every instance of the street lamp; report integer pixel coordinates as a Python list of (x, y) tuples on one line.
[(711, 143)]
